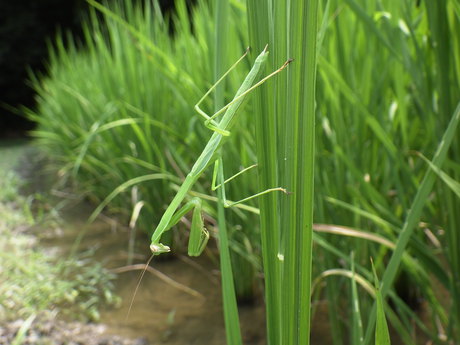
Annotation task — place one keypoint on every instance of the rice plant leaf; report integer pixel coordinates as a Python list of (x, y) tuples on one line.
[(355, 99), (231, 317), (449, 181), (382, 335), (367, 20), (372, 217), (261, 30), (285, 136), (165, 61), (232, 326), (121, 188), (357, 330)]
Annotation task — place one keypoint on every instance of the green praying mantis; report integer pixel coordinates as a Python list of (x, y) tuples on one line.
[(198, 234)]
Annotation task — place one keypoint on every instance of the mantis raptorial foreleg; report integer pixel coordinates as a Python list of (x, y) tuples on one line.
[(199, 235)]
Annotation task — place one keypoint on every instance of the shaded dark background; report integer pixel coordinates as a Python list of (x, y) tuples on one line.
[(25, 27)]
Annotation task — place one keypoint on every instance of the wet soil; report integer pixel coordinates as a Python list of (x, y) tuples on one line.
[(47, 330)]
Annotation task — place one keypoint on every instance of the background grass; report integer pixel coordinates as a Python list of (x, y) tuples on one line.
[(119, 106)]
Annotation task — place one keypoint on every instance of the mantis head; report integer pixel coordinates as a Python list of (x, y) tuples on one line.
[(158, 248)]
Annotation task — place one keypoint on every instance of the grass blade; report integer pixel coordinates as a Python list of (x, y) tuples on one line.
[(231, 318), (357, 323), (261, 32), (382, 336), (449, 181)]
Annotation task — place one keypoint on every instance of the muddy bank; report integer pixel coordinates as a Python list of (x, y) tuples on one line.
[(47, 330)]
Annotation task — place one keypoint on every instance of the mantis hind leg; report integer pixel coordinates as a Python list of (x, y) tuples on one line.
[(219, 175)]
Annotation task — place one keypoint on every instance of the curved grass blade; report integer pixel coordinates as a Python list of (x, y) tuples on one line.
[(449, 181)]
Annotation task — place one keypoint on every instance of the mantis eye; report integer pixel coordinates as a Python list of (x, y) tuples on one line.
[(158, 248)]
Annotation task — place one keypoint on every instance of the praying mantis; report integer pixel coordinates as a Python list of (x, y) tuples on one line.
[(198, 234)]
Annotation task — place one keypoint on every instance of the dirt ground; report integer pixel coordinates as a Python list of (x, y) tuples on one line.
[(46, 330)]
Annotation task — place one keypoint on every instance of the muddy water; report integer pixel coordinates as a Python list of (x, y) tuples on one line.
[(167, 315), (185, 310)]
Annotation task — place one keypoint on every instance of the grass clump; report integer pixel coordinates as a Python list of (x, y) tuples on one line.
[(285, 117)]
